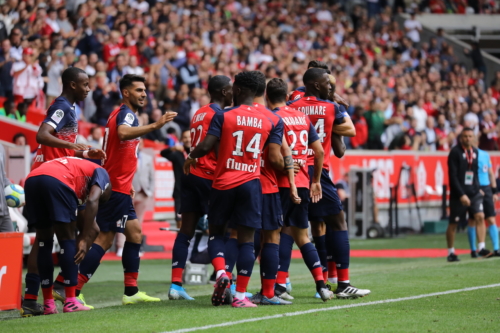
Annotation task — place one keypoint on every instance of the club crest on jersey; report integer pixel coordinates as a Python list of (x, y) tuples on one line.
[(58, 116), (249, 121), (129, 118)]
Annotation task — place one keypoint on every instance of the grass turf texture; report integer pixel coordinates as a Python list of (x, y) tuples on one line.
[(470, 311)]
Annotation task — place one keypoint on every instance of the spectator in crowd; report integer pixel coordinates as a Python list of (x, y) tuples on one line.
[(430, 135), (413, 29), (187, 109), (177, 155), (8, 109), (375, 120), (476, 57), (20, 139), (143, 184), (188, 73), (27, 75), (106, 97), (119, 70), (488, 137), (6, 61), (359, 121), (56, 66), (95, 137)]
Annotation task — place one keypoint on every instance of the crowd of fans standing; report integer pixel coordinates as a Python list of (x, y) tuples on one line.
[(403, 93)]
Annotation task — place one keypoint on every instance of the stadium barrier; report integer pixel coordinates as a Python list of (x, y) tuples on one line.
[(11, 266)]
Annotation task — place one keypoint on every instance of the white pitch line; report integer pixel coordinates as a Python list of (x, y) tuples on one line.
[(338, 307)]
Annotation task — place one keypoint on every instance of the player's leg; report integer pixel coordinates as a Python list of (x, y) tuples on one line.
[(457, 212), (66, 237), (332, 266), (493, 232), (471, 236), (481, 235), (244, 265), (45, 238), (231, 252), (131, 261), (30, 307), (285, 257), (318, 231)]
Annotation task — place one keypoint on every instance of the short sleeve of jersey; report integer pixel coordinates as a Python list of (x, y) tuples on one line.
[(340, 113), (215, 128), (100, 178), (127, 117), (313, 135), (276, 135), (57, 116)]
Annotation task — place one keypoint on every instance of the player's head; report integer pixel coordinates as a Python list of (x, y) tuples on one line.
[(317, 64), (262, 84), (133, 90), (245, 87), (333, 83), (317, 83), (467, 137), (76, 83), (276, 91), (220, 88)]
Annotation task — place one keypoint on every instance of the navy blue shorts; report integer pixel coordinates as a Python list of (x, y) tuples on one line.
[(195, 194), (295, 215), (114, 214), (49, 200), (242, 205), (330, 203), (272, 215)]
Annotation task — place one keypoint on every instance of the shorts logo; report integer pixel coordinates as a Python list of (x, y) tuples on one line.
[(62, 251), (317, 263), (175, 263), (243, 271), (89, 275), (481, 207), (220, 254), (457, 219), (45, 282), (211, 238), (57, 116), (129, 118), (122, 222), (67, 281), (41, 244), (298, 97)]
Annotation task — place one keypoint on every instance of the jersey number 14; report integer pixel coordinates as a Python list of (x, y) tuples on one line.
[(252, 147)]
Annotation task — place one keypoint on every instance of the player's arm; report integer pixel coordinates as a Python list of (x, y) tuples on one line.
[(319, 156), (493, 183), (90, 230), (202, 149), (338, 145), (126, 132), (45, 136), (345, 128)]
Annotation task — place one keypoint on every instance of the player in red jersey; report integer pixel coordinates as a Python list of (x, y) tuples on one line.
[(57, 138), (236, 194), (301, 136), (196, 186), (120, 144), (53, 192), (324, 114)]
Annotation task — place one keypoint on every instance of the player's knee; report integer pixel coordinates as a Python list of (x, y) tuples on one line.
[(318, 228), (271, 236), (479, 217), (105, 240)]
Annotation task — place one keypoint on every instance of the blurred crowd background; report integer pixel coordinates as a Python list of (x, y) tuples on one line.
[(403, 93)]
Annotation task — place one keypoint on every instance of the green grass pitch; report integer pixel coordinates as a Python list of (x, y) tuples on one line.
[(466, 311)]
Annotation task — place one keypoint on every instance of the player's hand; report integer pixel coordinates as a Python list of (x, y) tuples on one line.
[(187, 165), (495, 197), (132, 192), (82, 249), (294, 195), (315, 192), (167, 117), (296, 168), (97, 154), (79, 146), (465, 200), (340, 100)]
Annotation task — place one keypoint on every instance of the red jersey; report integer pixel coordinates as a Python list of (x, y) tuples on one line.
[(299, 134), (62, 117), (297, 94), (121, 162), (442, 133), (78, 174), (110, 51), (323, 115), (268, 178), (243, 132), (200, 123)]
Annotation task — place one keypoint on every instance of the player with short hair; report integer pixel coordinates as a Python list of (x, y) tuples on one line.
[(57, 138), (236, 191), (121, 142), (53, 192), (325, 115), (301, 136), (196, 186)]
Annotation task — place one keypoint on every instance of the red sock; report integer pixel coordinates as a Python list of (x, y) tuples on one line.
[(60, 278), (317, 274), (343, 274), (281, 277), (268, 287), (29, 296), (47, 293), (82, 279), (131, 279), (229, 275), (219, 264), (177, 274), (332, 269), (70, 291), (325, 275), (242, 283)]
